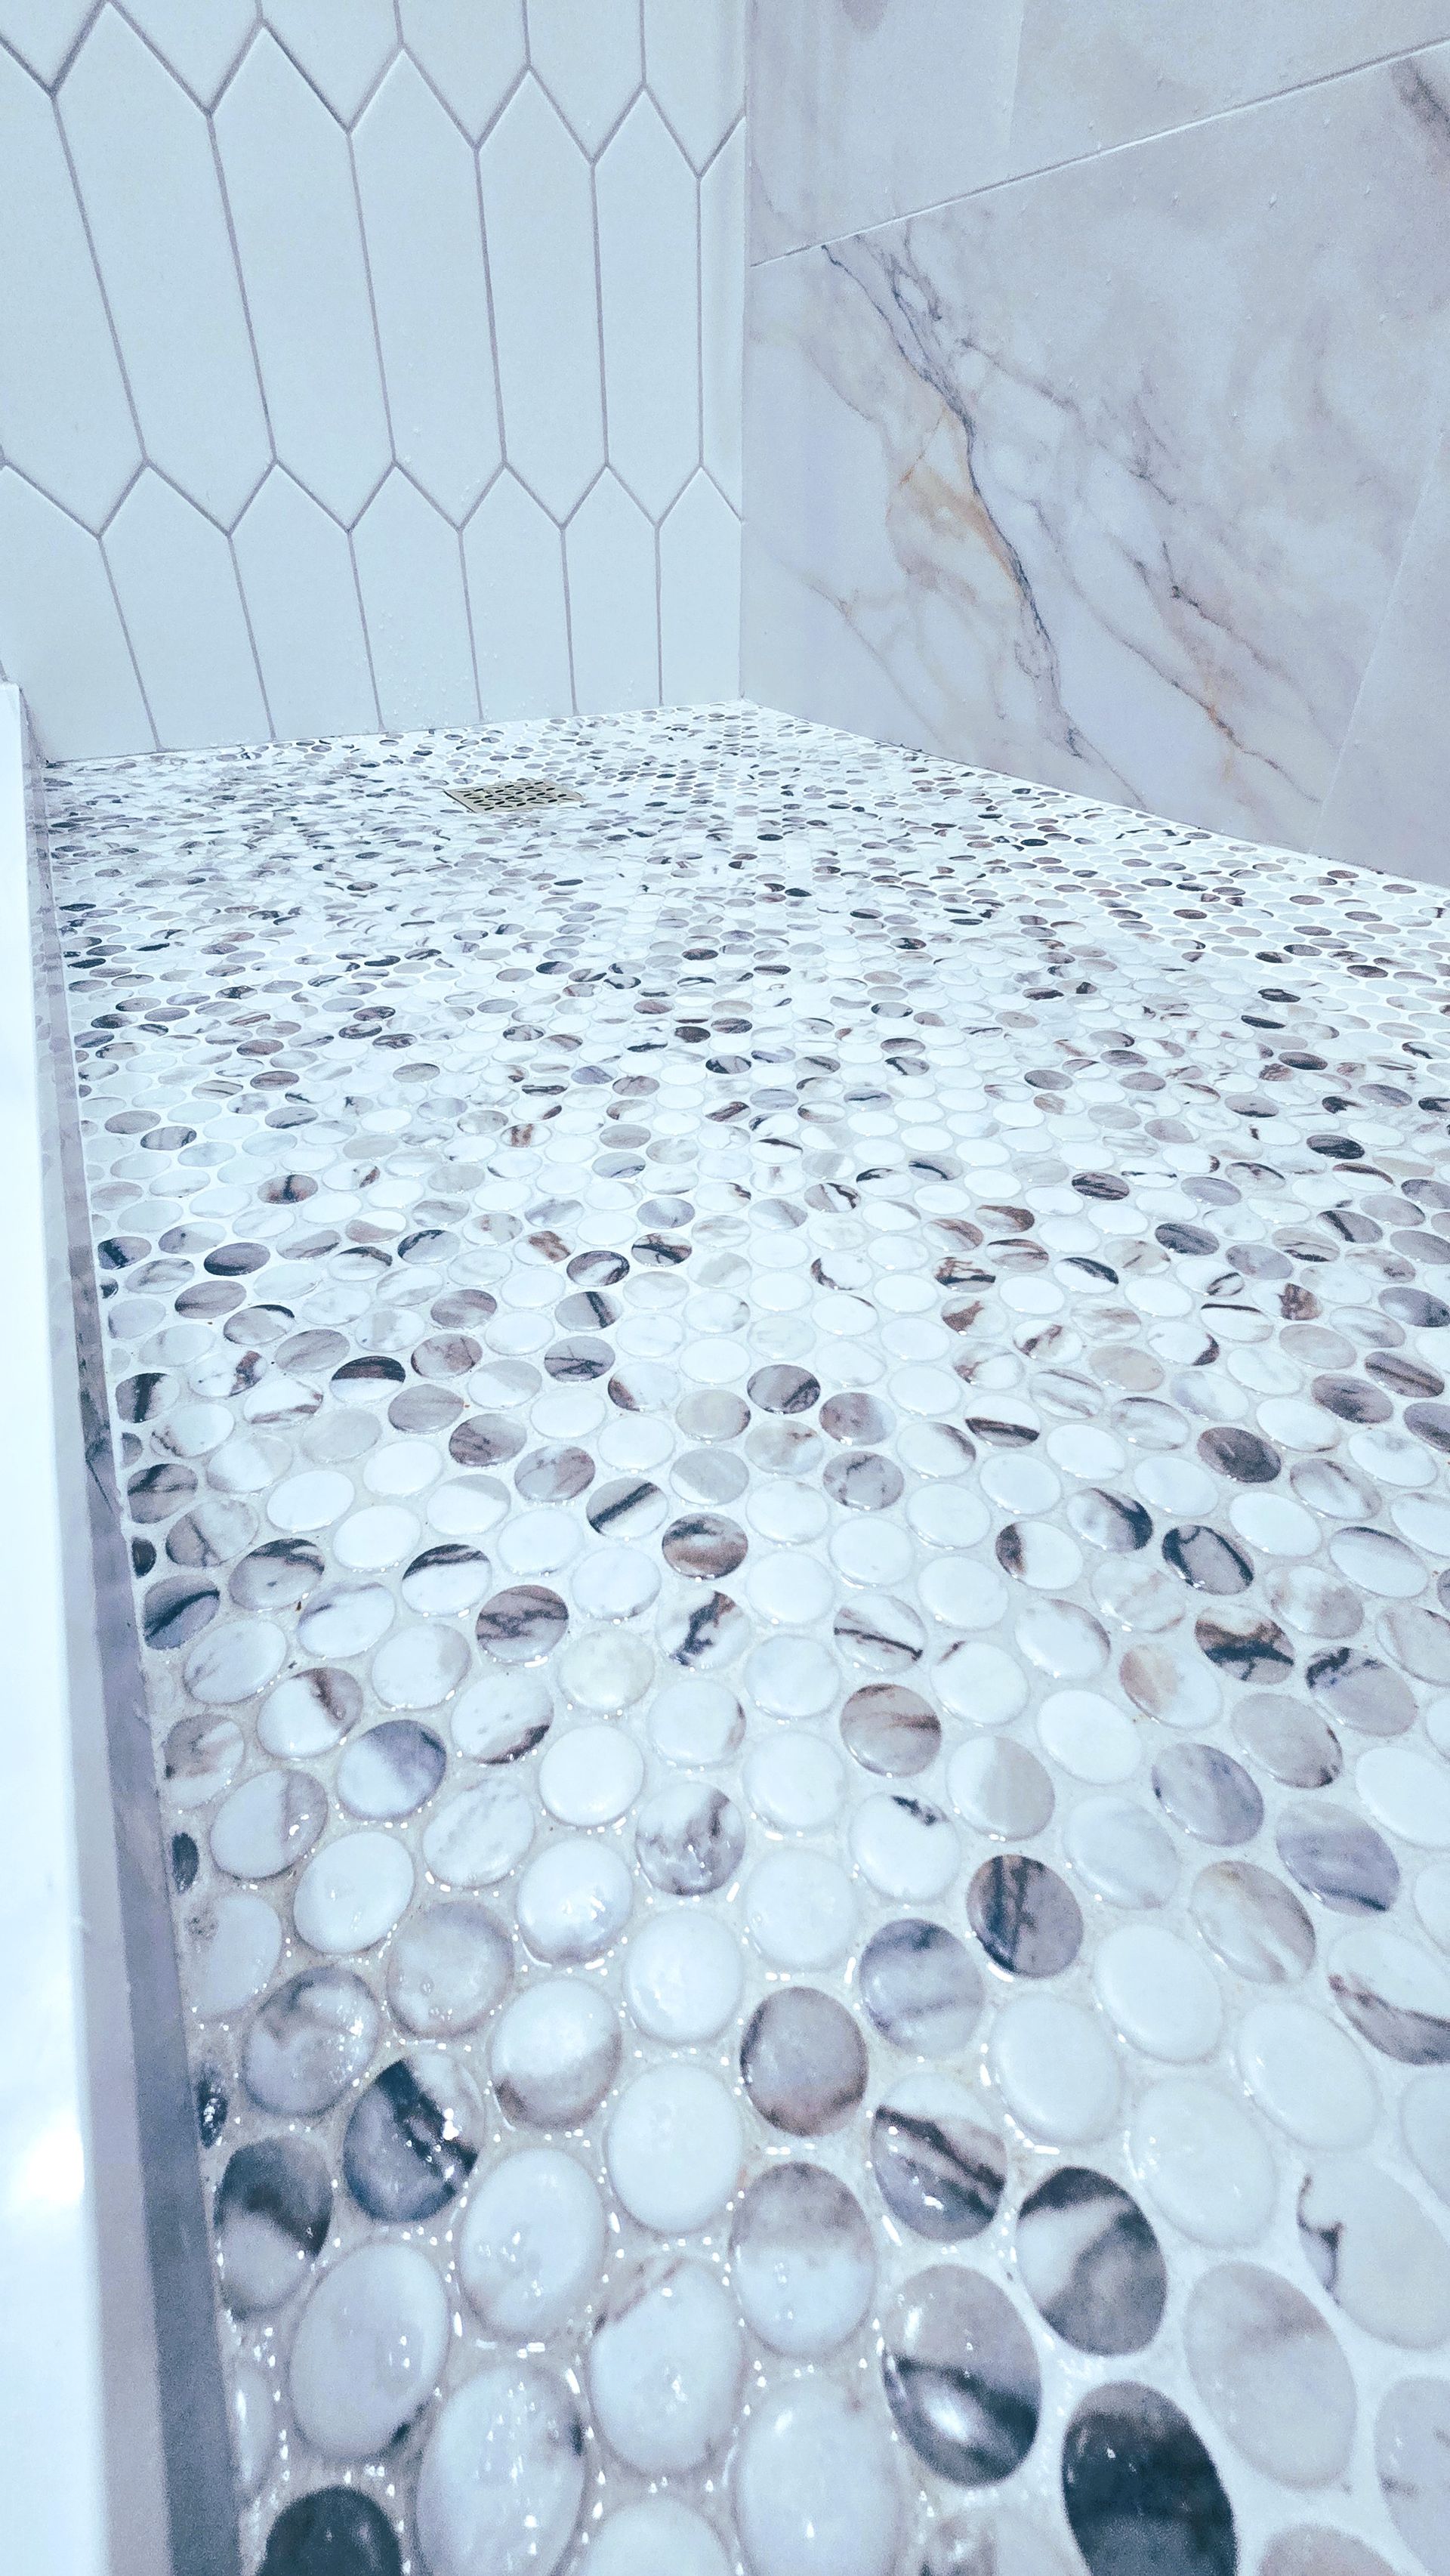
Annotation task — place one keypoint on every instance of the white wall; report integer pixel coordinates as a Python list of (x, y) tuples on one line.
[(366, 366)]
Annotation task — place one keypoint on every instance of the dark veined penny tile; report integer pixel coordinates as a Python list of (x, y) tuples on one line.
[(1244, 1455), (1253, 1922), (279, 1575), (272, 2213), (333, 2531), (522, 1624), (1248, 1648), (1141, 2490), (1026, 1917), (1113, 1522), (176, 1610), (1208, 1793), (891, 1730), (803, 2061), (961, 2376), (1338, 1857), (485, 1440), (920, 1987), (310, 2041), (414, 2137), (1359, 1691), (1091, 2262), (783, 1388), (704, 1545), (1207, 1560), (859, 1421), (940, 2170)]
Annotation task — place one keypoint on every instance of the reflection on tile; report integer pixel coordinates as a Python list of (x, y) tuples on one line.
[(865, 109), (785, 1437), (977, 524)]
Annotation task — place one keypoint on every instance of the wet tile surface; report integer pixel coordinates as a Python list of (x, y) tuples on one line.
[(785, 1442)]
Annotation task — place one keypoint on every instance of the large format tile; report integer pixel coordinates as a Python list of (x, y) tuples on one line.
[(1389, 805), (609, 549), (1093, 73), (865, 109), (513, 555), (61, 638), (165, 255), (649, 309), (473, 55), (64, 417), (1102, 520), (302, 597), (177, 585), (420, 205), (782, 1421), (539, 220), (290, 183), (411, 575)]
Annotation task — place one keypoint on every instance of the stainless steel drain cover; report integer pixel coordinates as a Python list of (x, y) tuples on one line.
[(513, 795)]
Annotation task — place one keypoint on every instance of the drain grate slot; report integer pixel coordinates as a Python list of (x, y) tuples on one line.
[(513, 795)]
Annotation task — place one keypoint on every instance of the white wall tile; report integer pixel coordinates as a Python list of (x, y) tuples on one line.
[(699, 598), (342, 45), (165, 254), (290, 183), (514, 558), (474, 54), (64, 418), (201, 43), (722, 312), (302, 597), (60, 636), (411, 575), (419, 193), (43, 31), (587, 54), (694, 61), (610, 548), (177, 586), (650, 297), (539, 217)]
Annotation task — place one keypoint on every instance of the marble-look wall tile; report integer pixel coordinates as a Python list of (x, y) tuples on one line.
[(1093, 73), (861, 110), (1389, 805), (1126, 520)]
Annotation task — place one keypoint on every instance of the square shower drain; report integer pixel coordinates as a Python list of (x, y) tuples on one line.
[(513, 795)]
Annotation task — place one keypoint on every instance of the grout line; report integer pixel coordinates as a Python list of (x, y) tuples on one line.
[(568, 623), (130, 646), (362, 234), (468, 622), (251, 638), (229, 219), (488, 296), (85, 222), (1110, 152), (53, 85), (398, 54)]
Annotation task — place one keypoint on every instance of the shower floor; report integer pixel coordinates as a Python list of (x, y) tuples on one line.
[(784, 1444)]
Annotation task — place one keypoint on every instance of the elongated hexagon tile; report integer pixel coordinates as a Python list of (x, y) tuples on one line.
[(425, 247), (587, 54), (694, 62), (165, 255), (613, 618), (177, 586), (539, 223), (289, 181), (411, 573), (342, 49), (64, 417), (699, 598), (650, 301), (514, 559), (60, 635), (43, 31), (201, 44), (302, 597), (473, 55), (722, 313)]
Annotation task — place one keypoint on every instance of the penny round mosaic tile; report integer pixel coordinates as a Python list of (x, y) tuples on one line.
[(784, 1432)]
